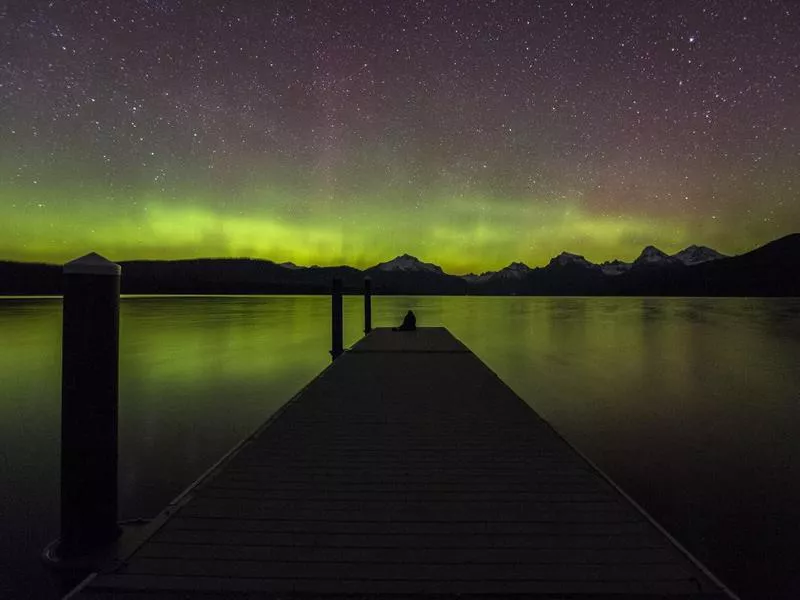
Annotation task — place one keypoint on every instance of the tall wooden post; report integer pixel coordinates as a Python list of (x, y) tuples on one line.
[(337, 328), (367, 305), (89, 398)]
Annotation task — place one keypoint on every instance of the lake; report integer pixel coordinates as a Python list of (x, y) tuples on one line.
[(691, 405)]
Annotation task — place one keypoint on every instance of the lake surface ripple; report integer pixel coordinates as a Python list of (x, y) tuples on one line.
[(691, 405)]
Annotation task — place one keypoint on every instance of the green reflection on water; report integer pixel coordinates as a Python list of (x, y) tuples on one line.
[(691, 404)]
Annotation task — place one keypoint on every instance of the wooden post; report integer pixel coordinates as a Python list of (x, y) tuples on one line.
[(367, 305), (89, 398), (337, 329)]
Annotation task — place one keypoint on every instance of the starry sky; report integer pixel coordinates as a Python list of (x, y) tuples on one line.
[(470, 133)]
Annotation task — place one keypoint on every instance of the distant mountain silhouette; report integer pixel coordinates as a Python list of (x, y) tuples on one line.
[(231, 276), (408, 264), (695, 271), (695, 255), (19, 279), (615, 267), (513, 272), (653, 257), (408, 275), (770, 270), (567, 259)]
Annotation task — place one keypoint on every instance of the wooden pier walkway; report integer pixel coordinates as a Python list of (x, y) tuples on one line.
[(406, 468)]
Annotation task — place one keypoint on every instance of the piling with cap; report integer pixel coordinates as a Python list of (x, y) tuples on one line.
[(367, 305), (337, 329), (89, 401)]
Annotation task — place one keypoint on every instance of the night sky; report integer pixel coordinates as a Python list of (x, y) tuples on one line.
[(468, 133)]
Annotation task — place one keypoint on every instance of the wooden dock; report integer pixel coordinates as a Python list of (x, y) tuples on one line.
[(406, 468)]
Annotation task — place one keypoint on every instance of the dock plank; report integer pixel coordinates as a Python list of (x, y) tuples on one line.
[(391, 553), (406, 468), (173, 586)]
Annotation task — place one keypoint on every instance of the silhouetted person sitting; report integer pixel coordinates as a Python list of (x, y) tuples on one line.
[(409, 323)]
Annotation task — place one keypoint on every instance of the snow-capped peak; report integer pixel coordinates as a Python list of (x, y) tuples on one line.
[(650, 256), (408, 263), (518, 267), (694, 255), (516, 270), (567, 258)]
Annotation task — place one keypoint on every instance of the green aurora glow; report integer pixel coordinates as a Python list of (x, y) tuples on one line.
[(462, 233), (347, 133)]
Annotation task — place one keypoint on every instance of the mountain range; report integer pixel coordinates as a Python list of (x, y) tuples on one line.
[(695, 271), (693, 255)]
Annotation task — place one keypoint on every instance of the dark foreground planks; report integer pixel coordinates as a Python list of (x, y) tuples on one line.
[(406, 468)]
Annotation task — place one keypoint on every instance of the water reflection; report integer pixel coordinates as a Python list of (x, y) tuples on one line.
[(691, 404)]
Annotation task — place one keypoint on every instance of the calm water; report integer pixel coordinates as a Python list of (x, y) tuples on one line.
[(691, 405)]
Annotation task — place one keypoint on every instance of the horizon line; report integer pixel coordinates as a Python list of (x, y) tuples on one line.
[(332, 266)]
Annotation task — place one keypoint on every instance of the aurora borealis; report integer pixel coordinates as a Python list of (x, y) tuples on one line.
[(469, 133)]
